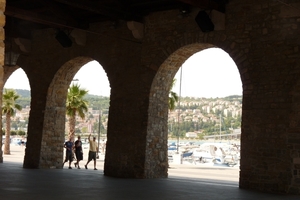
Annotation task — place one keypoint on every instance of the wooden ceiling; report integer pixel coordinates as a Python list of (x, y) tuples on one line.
[(25, 15)]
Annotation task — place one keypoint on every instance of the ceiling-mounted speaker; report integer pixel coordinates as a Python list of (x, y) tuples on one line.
[(204, 22), (63, 39)]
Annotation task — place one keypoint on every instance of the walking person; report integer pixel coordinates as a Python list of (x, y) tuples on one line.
[(92, 151), (69, 145), (78, 151), (103, 147)]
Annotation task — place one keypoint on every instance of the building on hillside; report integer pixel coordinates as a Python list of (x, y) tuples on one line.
[(191, 135), (225, 112)]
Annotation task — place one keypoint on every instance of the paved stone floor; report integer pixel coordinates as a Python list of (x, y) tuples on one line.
[(18, 183)]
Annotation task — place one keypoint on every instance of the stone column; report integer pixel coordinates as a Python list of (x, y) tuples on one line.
[(2, 36)]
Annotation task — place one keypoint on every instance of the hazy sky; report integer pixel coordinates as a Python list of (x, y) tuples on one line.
[(209, 73), (93, 78)]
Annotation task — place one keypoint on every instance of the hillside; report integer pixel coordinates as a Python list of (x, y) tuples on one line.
[(201, 115)]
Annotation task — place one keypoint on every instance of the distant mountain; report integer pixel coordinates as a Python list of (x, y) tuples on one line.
[(23, 93), (26, 93), (94, 100)]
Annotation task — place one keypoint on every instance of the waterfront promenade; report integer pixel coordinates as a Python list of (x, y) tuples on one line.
[(186, 181)]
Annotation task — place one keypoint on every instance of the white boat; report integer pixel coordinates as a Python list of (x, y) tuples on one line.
[(216, 153)]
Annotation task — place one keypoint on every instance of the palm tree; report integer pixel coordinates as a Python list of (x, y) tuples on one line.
[(75, 105), (173, 97), (9, 108)]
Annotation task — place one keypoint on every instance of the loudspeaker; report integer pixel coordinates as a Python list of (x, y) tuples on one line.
[(204, 22), (63, 39)]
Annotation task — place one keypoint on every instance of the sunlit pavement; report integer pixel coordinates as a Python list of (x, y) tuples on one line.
[(186, 181), (185, 170), (17, 154)]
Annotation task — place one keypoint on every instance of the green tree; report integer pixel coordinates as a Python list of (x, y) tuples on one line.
[(13, 132), (173, 97), (9, 107), (14, 125), (84, 129), (77, 130), (75, 105), (21, 133)]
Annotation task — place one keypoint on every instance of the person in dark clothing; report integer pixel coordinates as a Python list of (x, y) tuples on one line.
[(78, 152), (69, 145)]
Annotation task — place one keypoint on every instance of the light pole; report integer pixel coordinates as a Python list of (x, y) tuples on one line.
[(179, 109), (220, 127), (99, 132)]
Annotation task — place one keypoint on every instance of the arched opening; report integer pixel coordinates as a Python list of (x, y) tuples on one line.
[(158, 108), (15, 80), (207, 116), (90, 78), (209, 85), (53, 136)]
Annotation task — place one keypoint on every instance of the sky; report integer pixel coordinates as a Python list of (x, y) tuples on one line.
[(93, 78), (210, 73)]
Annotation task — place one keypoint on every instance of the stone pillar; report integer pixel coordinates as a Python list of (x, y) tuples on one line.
[(126, 139), (2, 47)]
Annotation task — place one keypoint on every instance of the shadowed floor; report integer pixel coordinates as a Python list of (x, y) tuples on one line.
[(18, 183)]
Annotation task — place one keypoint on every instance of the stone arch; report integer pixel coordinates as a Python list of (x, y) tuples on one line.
[(55, 113), (220, 40), (8, 71), (157, 131)]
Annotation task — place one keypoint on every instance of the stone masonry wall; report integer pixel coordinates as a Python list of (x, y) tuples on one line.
[(262, 37), (55, 112), (116, 50), (273, 30), (166, 47), (2, 37)]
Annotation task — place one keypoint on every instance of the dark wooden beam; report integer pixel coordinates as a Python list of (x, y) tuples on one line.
[(39, 18), (205, 4), (57, 10), (111, 12)]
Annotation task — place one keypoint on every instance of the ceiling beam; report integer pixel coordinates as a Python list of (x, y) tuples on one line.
[(205, 4), (108, 11), (38, 18), (52, 7)]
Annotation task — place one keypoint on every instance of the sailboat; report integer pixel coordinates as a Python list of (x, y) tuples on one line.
[(216, 153)]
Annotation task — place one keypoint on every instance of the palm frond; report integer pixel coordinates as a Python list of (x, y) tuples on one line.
[(75, 103), (173, 97)]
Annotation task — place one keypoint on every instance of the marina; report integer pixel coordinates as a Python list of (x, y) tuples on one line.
[(213, 153)]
